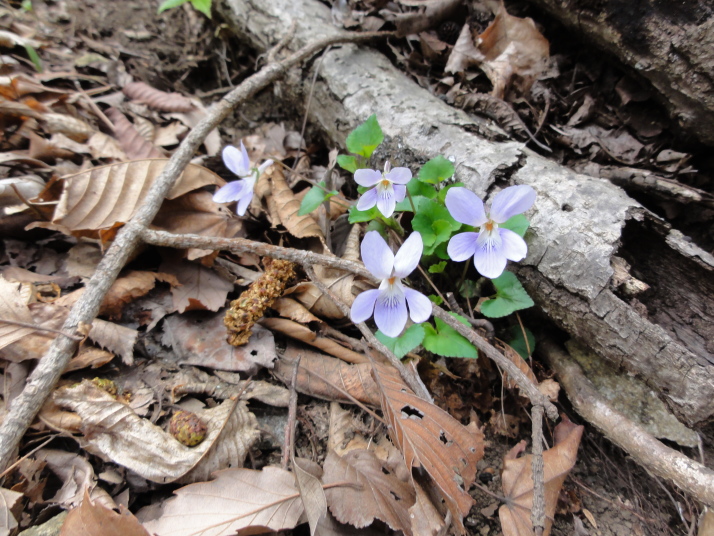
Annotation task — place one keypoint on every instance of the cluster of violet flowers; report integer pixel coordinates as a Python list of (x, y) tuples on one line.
[(392, 303)]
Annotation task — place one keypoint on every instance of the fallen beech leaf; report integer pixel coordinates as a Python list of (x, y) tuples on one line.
[(105, 196), (317, 369), (238, 499), (379, 495), (117, 339), (130, 140), (92, 519), (92, 357), (112, 430), (8, 499), (197, 213), (517, 480), (171, 134), (511, 50), (306, 335), (426, 519), (157, 99), (284, 206), (198, 339), (313, 496), (289, 308), (431, 438), (13, 307), (102, 146), (201, 288)]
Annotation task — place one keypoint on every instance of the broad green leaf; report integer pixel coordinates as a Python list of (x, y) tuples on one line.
[(446, 341), (441, 251), (437, 268), (364, 139), (170, 4), (470, 289), (204, 6), (518, 343), (405, 343), (436, 170), (442, 233), (314, 198), (360, 216), (347, 162), (434, 223), (510, 297), (406, 206), (518, 224), (378, 225), (442, 193), (436, 299)]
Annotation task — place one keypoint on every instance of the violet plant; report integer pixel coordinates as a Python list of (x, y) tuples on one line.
[(448, 223), (237, 162)]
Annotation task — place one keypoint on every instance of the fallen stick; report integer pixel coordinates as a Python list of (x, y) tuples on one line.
[(52, 365), (307, 258), (690, 476)]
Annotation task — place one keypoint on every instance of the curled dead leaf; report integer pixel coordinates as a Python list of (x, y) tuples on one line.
[(157, 99), (284, 207), (130, 140)]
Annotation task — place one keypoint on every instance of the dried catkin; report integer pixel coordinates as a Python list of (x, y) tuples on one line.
[(252, 303)]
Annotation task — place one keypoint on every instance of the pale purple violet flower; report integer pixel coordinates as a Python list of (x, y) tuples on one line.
[(389, 188), (241, 190), (492, 246), (389, 301)]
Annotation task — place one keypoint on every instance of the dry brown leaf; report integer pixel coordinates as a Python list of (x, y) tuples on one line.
[(117, 339), (130, 141), (306, 335), (105, 196), (289, 308), (170, 134), (201, 288), (510, 51), (426, 519), (73, 128), (515, 358), (157, 99), (47, 150), (431, 438), (197, 213), (284, 208), (379, 495), (13, 307), (212, 142), (112, 430), (102, 146), (253, 502), (517, 480), (200, 340), (313, 497), (93, 519), (338, 281), (28, 186), (8, 500), (93, 357)]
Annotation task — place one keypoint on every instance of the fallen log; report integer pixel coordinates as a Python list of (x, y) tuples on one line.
[(580, 225), (670, 45)]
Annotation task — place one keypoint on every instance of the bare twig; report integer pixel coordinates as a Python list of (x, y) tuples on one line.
[(687, 474), (41, 328), (50, 368), (289, 443), (307, 258), (475, 322), (538, 511)]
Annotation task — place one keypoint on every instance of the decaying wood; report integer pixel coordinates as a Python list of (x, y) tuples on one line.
[(668, 44), (692, 477), (53, 364), (579, 223)]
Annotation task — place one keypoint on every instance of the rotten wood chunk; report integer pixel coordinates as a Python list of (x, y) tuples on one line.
[(253, 302)]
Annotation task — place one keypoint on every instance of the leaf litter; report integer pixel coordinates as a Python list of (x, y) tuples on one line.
[(95, 172)]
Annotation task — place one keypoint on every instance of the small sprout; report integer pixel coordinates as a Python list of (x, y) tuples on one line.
[(187, 428), (106, 385)]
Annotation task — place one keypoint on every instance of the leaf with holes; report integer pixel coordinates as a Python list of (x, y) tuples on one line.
[(431, 438)]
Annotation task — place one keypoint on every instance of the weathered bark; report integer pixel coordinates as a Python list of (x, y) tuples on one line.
[(669, 44), (578, 223)]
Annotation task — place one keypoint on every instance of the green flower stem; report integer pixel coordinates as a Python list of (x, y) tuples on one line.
[(338, 198), (411, 201), (393, 224)]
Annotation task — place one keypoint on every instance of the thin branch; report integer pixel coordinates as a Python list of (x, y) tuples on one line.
[(308, 258), (50, 368), (538, 511)]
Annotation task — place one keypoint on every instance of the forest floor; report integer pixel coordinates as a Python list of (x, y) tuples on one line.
[(93, 47)]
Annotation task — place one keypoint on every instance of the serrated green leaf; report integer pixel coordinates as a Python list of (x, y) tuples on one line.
[(360, 216), (347, 162), (364, 139), (441, 198), (446, 341), (314, 198), (204, 6), (518, 224), (437, 268), (518, 343), (436, 170), (170, 4), (405, 343), (510, 297)]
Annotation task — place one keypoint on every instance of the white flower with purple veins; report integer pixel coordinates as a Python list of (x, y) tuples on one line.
[(492, 246), (389, 302), (389, 188), (241, 190)]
